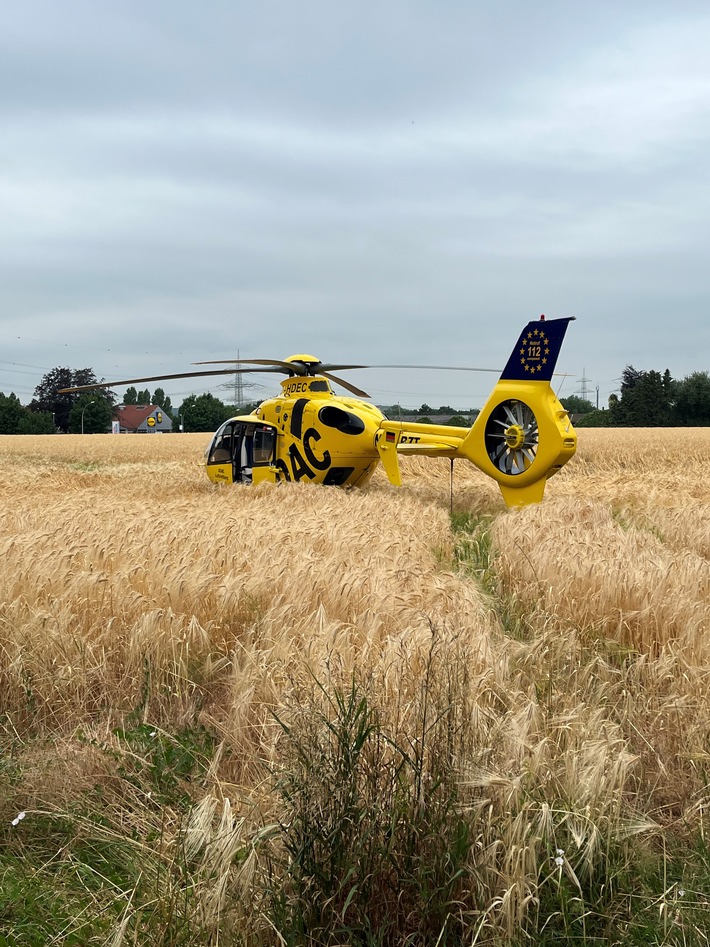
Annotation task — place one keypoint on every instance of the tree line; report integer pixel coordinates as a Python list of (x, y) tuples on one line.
[(646, 399), (649, 399), (52, 412)]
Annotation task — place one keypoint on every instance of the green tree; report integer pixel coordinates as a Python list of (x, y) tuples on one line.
[(36, 422), (143, 397), (593, 419), (646, 399), (130, 396), (96, 414), (692, 401), (458, 420), (576, 405), (48, 398), (11, 412), (203, 413), (161, 399)]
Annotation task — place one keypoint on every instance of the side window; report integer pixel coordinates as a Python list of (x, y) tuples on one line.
[(264, 441), (221, 450)]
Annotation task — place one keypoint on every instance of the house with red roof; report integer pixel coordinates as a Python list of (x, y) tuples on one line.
[(142, 419)]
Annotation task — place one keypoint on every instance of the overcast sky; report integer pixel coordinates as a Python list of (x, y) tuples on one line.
[(373, 181)]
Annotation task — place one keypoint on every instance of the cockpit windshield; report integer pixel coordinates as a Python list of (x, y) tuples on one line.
[(220, 450)]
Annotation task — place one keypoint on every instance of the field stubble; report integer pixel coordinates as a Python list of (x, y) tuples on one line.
[(547, 666)]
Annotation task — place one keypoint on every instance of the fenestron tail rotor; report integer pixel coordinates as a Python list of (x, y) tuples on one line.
[(512, 437)]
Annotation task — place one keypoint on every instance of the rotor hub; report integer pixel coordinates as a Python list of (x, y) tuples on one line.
[(304, 364), (514, 437)]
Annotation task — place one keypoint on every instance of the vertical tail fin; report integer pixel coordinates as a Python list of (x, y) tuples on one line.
[(535, 354)]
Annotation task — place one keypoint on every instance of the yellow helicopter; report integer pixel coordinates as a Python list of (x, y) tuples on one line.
[(521, 438)]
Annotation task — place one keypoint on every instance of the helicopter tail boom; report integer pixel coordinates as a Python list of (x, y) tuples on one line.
[(429, 440)]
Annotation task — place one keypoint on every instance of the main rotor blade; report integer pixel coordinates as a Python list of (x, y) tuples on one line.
[(287, 367), (345, 384), (133, 381), (333, 367), (320, 368), (459, 368), (291, 368), (442, 368), (297, 368)]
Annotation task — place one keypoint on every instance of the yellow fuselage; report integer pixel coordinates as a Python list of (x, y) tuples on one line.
[(308, 433), (317, 437)]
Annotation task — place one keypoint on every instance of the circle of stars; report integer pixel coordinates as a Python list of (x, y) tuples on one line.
[(535, 337)]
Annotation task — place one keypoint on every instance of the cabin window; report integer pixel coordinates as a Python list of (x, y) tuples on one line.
[(344, 421), (264, 441)]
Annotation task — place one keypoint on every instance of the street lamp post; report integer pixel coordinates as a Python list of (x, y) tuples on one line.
[(82, 414)]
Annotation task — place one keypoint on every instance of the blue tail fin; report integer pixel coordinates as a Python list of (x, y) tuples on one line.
[(535, 355)]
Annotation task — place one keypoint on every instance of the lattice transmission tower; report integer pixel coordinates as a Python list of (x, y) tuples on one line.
[(585, 386)]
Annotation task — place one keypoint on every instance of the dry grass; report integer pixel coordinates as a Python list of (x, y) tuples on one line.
[(578, 667)]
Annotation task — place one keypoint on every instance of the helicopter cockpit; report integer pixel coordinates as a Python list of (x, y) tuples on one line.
[(242, 451)]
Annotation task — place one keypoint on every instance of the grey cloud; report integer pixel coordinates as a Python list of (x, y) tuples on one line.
[(393, 178)]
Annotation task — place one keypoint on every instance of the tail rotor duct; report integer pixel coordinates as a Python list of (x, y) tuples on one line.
[(512, 437)]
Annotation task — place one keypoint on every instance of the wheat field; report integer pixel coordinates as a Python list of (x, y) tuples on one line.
[(556, 657)]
